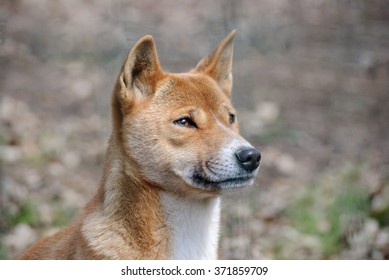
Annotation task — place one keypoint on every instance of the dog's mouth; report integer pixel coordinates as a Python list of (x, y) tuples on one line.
[(202, 181)]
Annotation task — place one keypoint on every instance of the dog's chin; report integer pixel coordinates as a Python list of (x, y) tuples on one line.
[(200, 181)]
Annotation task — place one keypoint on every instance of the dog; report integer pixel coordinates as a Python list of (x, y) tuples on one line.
[(174, 149)]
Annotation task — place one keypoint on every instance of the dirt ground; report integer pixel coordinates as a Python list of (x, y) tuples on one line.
[(311, 84)]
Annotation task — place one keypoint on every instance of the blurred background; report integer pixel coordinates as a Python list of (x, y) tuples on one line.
[(311, 84)]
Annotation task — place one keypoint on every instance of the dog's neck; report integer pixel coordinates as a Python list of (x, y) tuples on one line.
[(193, 224)]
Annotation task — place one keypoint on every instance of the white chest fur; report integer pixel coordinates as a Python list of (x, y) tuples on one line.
[(194, 226)]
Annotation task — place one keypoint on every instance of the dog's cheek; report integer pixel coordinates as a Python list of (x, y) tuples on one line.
[(139, 141)]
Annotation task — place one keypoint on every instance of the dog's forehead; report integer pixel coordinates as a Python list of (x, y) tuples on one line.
[(190, 89)]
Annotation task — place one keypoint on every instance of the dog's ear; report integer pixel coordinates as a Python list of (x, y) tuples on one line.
[(140, 72), (218, 64)]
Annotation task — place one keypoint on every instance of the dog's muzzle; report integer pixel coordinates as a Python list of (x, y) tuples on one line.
[(232, 172)]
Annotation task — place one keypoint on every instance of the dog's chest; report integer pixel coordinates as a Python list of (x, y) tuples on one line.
[(194, 226)]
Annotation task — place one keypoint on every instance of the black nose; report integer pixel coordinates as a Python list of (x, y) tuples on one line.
[(248, 158)]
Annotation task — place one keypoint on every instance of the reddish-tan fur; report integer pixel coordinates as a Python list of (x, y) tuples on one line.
[(128, 216)]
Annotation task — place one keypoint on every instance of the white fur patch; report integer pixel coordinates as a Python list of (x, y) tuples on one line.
[(100, 235), (194, 226)]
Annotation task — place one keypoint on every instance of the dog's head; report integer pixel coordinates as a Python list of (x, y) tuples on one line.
[(180, 131)]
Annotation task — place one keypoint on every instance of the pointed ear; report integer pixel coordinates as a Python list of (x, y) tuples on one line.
[(218, 64), (140, 72)]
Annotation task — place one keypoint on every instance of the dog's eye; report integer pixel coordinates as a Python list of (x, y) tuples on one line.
[(185, 121), (232, 118)]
